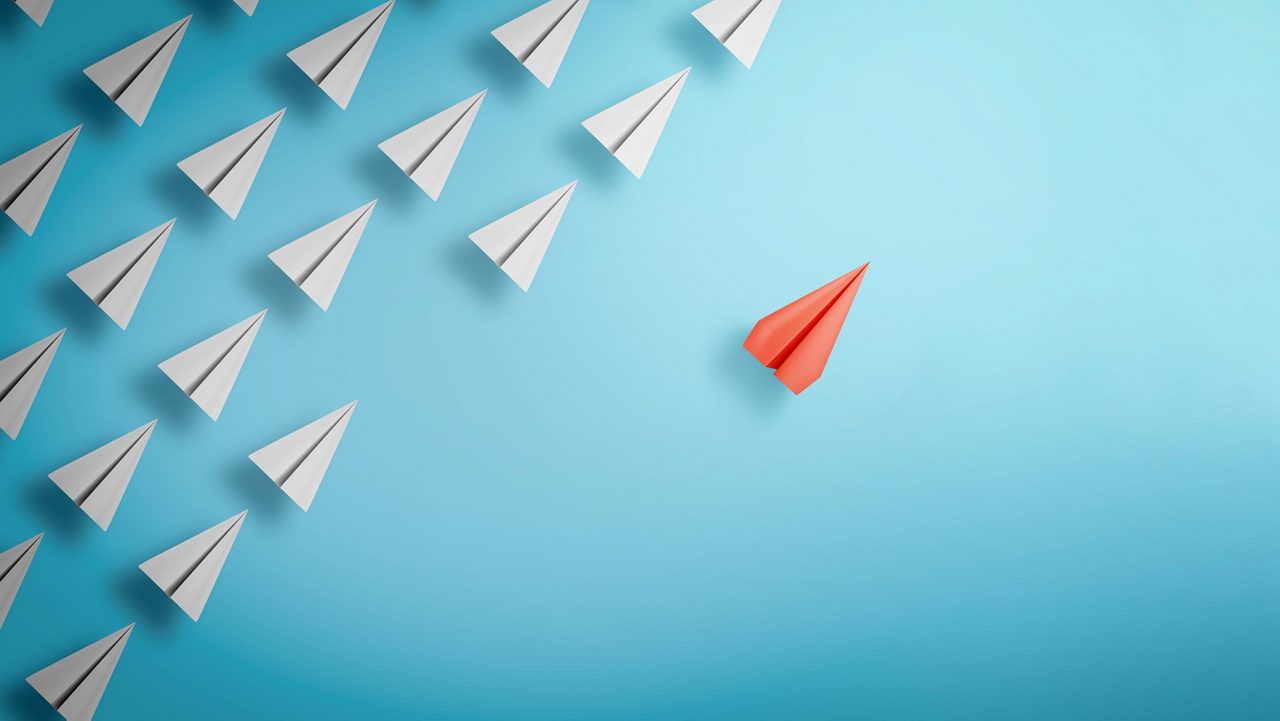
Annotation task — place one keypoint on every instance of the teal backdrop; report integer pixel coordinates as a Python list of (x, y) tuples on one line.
[(1038, 481)]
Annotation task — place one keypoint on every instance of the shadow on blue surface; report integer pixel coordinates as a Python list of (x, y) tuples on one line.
[(747, 379), (301, 96), (257, 490), (147, 601), (84, 100), (216, 10), (599, 168), (183, 198), (690, 39), (500, 67), (76, 310), (390, 185), (23, 702), (488, 283), (58, 512), (278, 293), (166, 399)]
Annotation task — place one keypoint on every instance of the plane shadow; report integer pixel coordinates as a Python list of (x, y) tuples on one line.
[(147, 601), (23, 702), (489, 284), (500, 67), (12, 20), (747, 379), (389, 184), (185, 199), (101, 116), (215, 10), (166, 399), (279, 293), (74, 308), (602, 170), (690, 39), (257, 490), (299, 94), (58, 512)]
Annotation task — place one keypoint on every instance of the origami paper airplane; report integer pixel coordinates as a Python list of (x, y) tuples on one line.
[(226, 169), (187, 572), (317, 261), (114, 281), (630, 129), (37, 10), (426, 152), (248, 6), (540, 38), (739, 25), (517, 242), (27, 181), (13, 568), (297, 462), (97, 480), (132, 77), (74, 685), (20, 377), (335, 61), (797, 339), (207, 370)]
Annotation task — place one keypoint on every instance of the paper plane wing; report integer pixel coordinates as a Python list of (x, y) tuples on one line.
[(797, 339), (540, 38), (114, 281), (207, 371), (132, 77), (317, 261), (426, 152), (517, 242), (37, 10), (13, 568), (335, 61), (225, 170), (297, 462), (27, 181), (630, 129), (20, 377), (97, 480), (739, 25), (74, 685), (248, 6), (187, 572)]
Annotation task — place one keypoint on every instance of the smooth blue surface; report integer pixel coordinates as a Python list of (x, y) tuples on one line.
[(1038, 481)]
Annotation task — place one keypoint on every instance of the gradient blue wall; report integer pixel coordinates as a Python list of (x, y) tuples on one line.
[(1038, 481)]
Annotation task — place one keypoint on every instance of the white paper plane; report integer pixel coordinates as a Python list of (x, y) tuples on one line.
[(114, 281), (27, 181), (207, 370), (20, 377), (74, 685), (132, 77), (97, 480), (37, 10), (13, 568), (186, 573), (297, 462), (426, 152), (739, 25), (335, 61), (517, 242), (248, 6), (317, 261), (630, 129), (540, 38), (226, 169)]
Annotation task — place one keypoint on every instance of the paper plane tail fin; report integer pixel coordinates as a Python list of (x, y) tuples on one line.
[(797, 339)]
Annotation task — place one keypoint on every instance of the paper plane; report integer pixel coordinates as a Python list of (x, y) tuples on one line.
[(13, 568), (186, 573), (317, 260), (297, 462), (207, 370), (20, 377), (132, 77), (426, 152), (74, 685), (797, 339), (114, 281), (630, 129), (226, 169), (517, 242), (540, 38), (335, 61), (97, 480), (27, 181), (739, 25), (37, 10), (248, 6)]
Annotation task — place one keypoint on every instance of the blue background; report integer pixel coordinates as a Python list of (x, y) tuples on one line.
[(1037, 482)]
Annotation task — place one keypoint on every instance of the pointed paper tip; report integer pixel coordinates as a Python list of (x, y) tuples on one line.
[(151, 424), (260, 315), (187, 19), (76, 130), (35, 540), (127, 629), (58, 336), (240, 516), (685, 73)]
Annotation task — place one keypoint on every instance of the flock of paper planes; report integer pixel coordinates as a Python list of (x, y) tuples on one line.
[(795, 341)]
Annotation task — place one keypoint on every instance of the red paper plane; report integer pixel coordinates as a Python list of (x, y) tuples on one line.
[(797, 338)]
